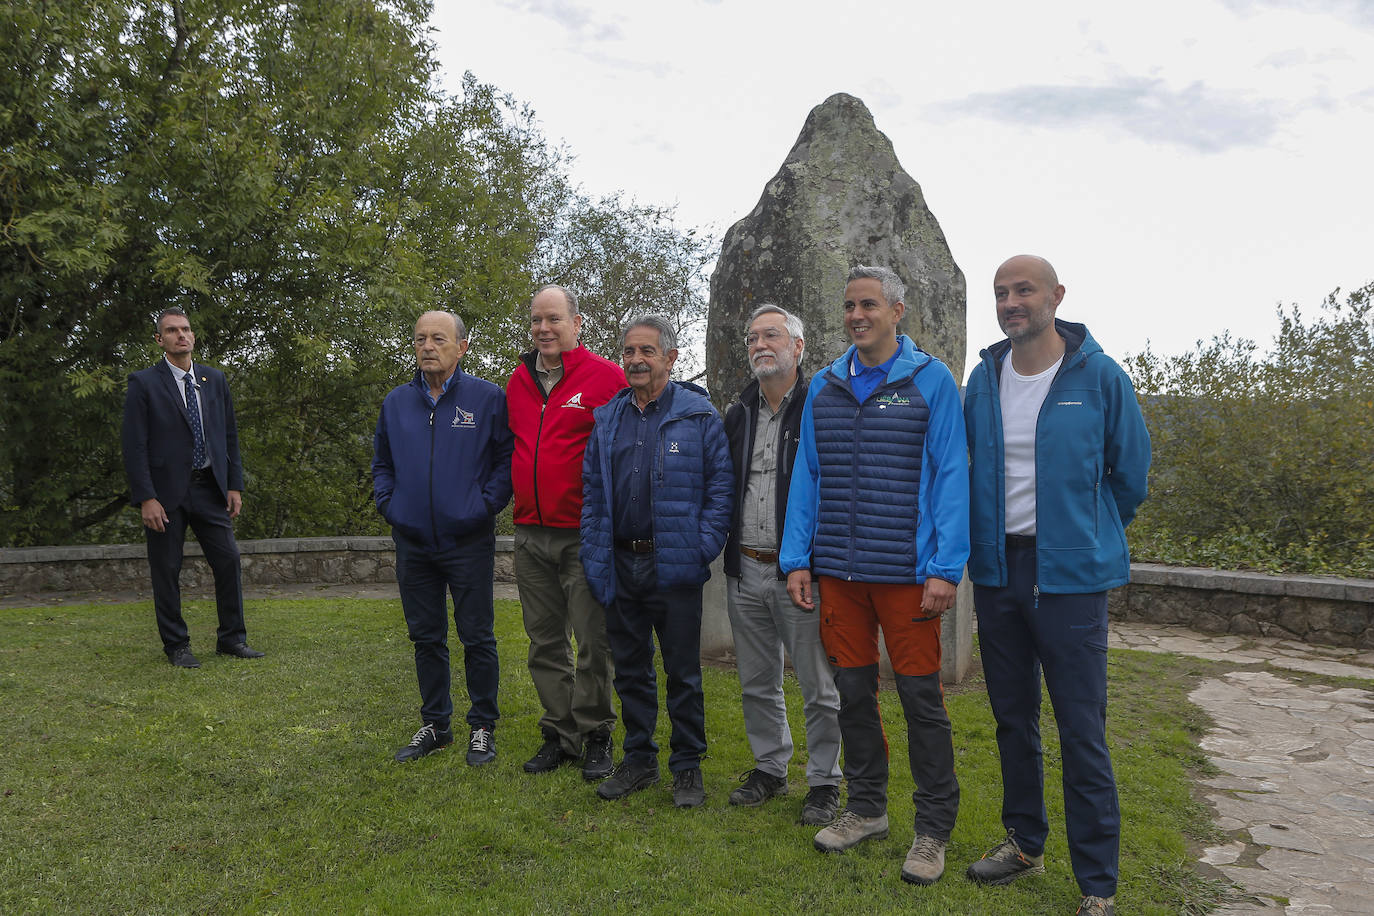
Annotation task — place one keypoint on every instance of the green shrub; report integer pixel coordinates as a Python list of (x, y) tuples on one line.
[(1265, 460)]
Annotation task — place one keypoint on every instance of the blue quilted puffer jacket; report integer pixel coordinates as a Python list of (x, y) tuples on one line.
[(691, 489), (880, 489)]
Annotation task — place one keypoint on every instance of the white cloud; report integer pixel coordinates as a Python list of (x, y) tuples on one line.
[(1198, 117)]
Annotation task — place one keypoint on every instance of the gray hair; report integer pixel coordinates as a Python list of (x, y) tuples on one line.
[(793, 323), (893, 287), (170, 310), (459, 329), (667, 337), (567, 294)]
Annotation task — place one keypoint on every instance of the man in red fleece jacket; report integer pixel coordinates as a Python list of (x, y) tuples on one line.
[(550, 399)]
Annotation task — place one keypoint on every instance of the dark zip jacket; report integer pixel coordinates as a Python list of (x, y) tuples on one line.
[(442, 473), (741, 419)]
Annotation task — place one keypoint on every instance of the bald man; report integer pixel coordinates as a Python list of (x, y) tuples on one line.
[(440, 476), (1059, 457)]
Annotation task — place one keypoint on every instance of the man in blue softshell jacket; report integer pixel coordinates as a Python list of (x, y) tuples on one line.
[(1060, 455)]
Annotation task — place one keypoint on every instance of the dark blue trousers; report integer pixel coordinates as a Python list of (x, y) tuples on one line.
[(423, 575), (640, 610), (204, 513), (1066, 637)]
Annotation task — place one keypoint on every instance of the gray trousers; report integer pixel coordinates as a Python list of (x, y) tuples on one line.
[(558, 607), (764, 622)]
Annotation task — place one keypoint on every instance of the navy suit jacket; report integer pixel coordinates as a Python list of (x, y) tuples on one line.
[(157, 437)]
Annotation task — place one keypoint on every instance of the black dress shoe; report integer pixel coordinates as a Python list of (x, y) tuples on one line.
[(183, 658), (239, 650)]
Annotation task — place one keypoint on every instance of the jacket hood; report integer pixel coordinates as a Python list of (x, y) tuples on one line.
[(910, 359), (688, 398), (1077, 342)]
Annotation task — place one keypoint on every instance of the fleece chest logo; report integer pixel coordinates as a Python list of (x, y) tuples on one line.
[(463, 419), (575, 401), (1069, 404)]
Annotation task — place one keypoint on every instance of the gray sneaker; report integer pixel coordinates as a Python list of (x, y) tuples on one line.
[(1004, 863), (925, 863), (1097, 906), (849, 830)]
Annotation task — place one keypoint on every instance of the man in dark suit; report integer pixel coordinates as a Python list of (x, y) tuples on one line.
[(181, 455)]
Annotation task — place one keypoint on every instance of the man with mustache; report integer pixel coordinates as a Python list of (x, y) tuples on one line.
[(878, 510), (655, 513), (763, 427), (1060, 457)]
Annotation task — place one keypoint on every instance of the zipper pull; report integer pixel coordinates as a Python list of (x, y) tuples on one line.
[(431, 419), (1035, 590)]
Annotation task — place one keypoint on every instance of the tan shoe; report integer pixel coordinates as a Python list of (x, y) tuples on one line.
[(849, 830), (925, 863)]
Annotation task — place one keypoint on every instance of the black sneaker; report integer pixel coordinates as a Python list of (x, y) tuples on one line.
[(821, 805), (688, 789), (596, 760), (182, 658), (426, 741), (758, 788), (1004, 863), (549, 757), (627, 778), (481, 746)]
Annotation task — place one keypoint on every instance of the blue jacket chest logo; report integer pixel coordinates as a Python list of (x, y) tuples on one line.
[(463, 419)]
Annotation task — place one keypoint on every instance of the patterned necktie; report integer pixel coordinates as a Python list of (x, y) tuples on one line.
[(193, 408)]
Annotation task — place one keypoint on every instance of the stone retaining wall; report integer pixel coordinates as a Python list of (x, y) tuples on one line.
[(282, 561), (1326, 611)]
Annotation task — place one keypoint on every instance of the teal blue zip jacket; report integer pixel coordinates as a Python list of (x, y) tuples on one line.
[(1092, 460)]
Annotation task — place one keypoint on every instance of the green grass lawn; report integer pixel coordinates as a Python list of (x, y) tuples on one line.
[(130, 786)]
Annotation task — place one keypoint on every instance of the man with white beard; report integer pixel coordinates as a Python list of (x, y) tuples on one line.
[(763, 427)]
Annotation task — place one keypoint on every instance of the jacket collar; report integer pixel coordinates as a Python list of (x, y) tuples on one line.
[(571, 358), (910, 360)]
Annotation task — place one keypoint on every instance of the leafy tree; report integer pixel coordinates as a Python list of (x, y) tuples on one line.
[(289, 174), (1265, 460), (622, 259)]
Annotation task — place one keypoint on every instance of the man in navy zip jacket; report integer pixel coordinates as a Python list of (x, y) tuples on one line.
[(1060, 456), (655, 513), (440, 476), (878, 510)]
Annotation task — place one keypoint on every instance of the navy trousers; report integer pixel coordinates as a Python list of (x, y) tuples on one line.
[(1019, 635), (204, 513), (466, 571), (639, 611)]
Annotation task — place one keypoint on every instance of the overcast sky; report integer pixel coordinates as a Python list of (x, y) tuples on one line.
[(1185, 164)]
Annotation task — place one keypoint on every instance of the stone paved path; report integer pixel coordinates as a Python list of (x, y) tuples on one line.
[(1296, 788)]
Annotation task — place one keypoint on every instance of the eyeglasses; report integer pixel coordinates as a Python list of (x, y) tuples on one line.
[(769, 335)]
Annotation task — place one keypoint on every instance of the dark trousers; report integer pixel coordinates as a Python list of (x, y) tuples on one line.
[(465, 571), (640, 610), (205, 513), (1066, 637)]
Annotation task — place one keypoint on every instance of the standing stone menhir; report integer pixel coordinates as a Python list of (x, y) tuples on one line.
[(841, 198)]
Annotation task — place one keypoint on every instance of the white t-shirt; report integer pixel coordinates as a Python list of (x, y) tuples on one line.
[(1021, 396)]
